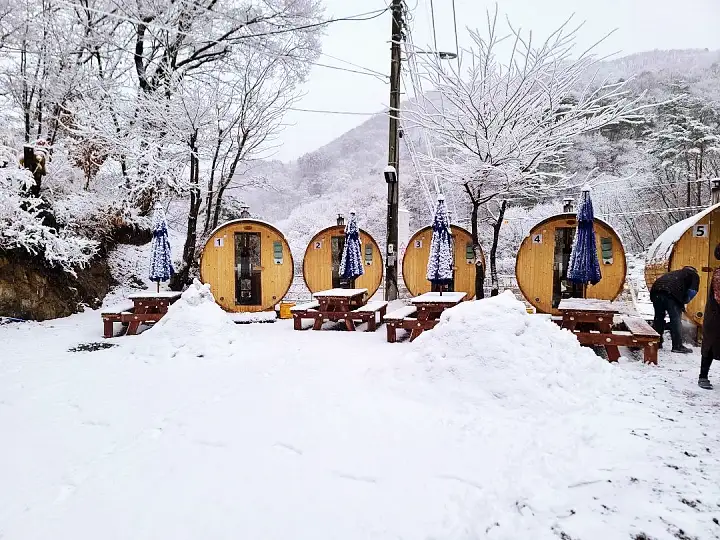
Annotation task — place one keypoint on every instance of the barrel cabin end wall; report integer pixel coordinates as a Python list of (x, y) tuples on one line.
[(688, 243), (322, 259), (546, 249), (248, 265), (415, 259)]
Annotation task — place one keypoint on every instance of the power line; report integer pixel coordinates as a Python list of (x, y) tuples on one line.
[(338, 68), (320, 111), (356, 65), (432, 18)]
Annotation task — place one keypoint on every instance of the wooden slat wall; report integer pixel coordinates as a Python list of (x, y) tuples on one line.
[(693, 251), (317, 263), (414, 265), (534, 263), (217, 266)]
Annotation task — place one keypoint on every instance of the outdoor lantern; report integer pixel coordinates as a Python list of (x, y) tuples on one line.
[(568, 204), (715, 184), (390, 174), (340, 220), (244, 211)]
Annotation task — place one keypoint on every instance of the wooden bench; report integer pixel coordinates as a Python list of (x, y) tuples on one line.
[(639, 335), (645, 336), (400, 318), (112, 315), (307, 310), (367, 314)]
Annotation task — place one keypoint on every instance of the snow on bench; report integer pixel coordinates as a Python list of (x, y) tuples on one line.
[(305, 307), (372, 306), (401, 313), (117, 309)]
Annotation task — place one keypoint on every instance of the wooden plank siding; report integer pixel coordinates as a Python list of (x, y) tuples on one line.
[(534, 263), (317, 262), (691, 250), (217, 265), (414, 263)]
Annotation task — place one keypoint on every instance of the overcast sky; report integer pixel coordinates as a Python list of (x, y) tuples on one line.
[(641, 25)]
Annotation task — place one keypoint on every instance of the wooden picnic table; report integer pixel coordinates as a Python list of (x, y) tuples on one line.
[(429, 308), (146, 307), (594, 323), (346, 305)]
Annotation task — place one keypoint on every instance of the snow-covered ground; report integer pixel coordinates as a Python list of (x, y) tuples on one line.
[(494, 425)]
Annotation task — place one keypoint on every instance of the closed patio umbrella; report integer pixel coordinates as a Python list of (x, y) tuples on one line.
[(161, 268), (440, 261), (351, 262), (584, 266)]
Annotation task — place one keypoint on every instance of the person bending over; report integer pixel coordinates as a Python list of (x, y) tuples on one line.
[(669, 294)]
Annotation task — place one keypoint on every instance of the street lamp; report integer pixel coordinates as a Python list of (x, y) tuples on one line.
[(443, 55)]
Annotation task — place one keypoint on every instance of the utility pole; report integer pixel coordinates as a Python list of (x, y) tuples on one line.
[(392, 173)]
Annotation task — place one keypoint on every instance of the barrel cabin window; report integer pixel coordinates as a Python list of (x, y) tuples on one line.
[(562, 287), (248, 271)]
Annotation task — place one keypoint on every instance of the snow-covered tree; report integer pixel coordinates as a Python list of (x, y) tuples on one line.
[(503, 124)]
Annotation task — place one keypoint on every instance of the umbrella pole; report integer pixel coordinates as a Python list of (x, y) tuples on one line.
[(158, 286)]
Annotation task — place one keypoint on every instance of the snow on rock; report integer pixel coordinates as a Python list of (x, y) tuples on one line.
[(195, 323)]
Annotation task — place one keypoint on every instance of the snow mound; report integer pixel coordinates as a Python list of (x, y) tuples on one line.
[(499, 353), (259, 317), (195, 323)]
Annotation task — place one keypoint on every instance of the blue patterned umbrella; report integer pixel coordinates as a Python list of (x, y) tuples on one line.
[(440, 261), (351, 263), (161, 268), (584, 266)]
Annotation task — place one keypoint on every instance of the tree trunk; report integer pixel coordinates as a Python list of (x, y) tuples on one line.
[(218, 206), (211, 185), (479, 268), (494, 284), (182, 276)]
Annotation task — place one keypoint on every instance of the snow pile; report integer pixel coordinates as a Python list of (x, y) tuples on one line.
[(259, 317), (195, 323), (502, 355)]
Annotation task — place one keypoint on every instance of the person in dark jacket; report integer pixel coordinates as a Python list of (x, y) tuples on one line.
[(669, 294), (711, 327)]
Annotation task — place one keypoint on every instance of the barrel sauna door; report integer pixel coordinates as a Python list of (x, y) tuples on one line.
[(562, 287), (248, 272), (337, 245), (447, 287)]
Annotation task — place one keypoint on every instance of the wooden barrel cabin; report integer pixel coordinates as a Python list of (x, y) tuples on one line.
[(248, 265), (321, 264), (542, 262), (415, 260), (690, 242)]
